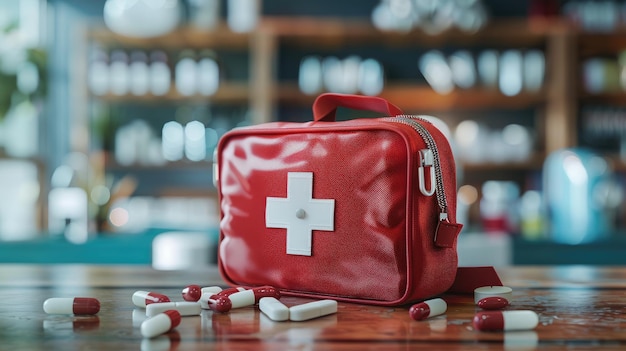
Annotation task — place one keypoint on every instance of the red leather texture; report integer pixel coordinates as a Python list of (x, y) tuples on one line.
[(382, 249)]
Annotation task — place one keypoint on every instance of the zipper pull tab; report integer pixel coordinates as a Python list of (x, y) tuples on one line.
[(426, 160), (446, 232)]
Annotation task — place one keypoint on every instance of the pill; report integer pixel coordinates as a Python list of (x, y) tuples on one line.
[(142, 298), (252, 296), (429, 308), (274, 309), (160, 324), (505, 320), (71, 305), (488, 291), (217, 303), (186, 308), (211, 289), (230, 291), (493, 303), (192, 292), (207, 292), (312, 310)]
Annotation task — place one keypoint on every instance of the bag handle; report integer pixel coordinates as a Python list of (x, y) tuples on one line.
[(325, 106)]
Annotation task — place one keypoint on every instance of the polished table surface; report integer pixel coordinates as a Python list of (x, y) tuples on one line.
[(580, 308)]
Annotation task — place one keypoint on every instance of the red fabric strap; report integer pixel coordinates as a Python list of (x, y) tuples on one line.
[(325, 106), (469, 278)]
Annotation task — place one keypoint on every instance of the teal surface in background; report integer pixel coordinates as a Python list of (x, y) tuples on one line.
[(109, 248)]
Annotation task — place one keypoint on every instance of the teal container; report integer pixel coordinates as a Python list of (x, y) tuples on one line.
[(581, 196)]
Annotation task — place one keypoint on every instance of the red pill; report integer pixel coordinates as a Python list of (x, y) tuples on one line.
[(493, 303), (76, 305), (219, 303), (142, 298), (192, 293), (426, 309)]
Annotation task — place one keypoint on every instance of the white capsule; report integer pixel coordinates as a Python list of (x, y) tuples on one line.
[(186, 308), (211, 290), (274, 309), (312, 310), (242, 298), (160, 324)]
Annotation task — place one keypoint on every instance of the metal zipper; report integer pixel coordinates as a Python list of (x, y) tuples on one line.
[(427, 160)]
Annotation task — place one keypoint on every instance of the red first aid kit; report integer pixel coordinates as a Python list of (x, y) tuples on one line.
[(360, 210)]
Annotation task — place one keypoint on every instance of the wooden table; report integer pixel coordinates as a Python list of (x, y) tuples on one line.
[(579, 308)]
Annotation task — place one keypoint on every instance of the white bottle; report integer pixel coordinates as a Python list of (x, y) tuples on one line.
[(208, 74), (98, 74), (119, 73), (139, 73), (243, 15), (186, 73), (160, 74)]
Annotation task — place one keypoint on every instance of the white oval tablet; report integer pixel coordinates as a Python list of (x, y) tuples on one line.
[(274, 309), (312, 310), (186, 308)]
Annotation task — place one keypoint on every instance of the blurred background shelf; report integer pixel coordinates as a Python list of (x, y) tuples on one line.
[(105, 137), (232, 93)]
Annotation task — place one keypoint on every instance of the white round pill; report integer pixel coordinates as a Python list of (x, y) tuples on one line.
[(489, 291)]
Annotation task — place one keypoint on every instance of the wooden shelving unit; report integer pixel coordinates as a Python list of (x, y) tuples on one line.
[(232, 93), (556, 103), (185, 37)]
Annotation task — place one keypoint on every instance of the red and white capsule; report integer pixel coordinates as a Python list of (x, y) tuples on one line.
[(252, 296), (230, 291), (71, 305), (192, 293), (493, 303), (427, 309), (216, 303), (222, 303), (505, 320), (142, 298), (160, 323)]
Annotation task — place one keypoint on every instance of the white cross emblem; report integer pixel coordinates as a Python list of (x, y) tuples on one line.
[(299, 213)]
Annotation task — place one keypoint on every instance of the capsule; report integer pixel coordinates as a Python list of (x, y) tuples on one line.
[(274, 309), (493, 303), (252, 296), (186, 308), (505, 320), (217, 303), (312, 310), (160, 324), (142, 298), (230, 291), (71, 305), (207, 293), (192, 293), (429, 308), (211, 289)]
